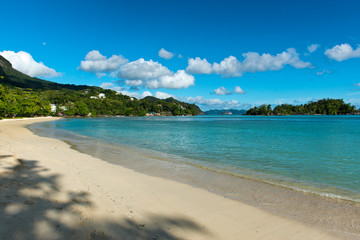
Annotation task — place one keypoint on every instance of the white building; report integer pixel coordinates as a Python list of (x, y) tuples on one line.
[(53, 107)]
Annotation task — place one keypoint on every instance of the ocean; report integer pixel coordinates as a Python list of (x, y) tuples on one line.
[(312, 154)]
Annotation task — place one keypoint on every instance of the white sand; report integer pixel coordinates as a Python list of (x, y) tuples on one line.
[(50, 191)]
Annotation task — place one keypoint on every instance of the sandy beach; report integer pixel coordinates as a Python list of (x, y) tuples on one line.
[(50, 191)]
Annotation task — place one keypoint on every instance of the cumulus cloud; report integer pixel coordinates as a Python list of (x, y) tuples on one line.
[(153, 75), (313, 47), (100, 74), (160, 95), (174, 81), (135, 94), (163, 95), (165, 54), (24, 62), (238, 90), (95, 62), (266, 62), (230, 66), (198, 65), (144, 70), (134, 83), (221, 91), (342, 52), (224, 91), (252, 62), (206, 104), (106, 85)]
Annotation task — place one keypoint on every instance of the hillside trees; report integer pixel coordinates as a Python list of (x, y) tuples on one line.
[(17, 102), (323, 106)]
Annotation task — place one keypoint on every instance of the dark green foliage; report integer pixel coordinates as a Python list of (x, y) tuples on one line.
[(264, 109), (24, 96), (16, 102), (24, 103), (323, 106), (11, 77)]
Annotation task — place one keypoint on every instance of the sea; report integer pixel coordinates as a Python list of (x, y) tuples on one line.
[(303, 167)]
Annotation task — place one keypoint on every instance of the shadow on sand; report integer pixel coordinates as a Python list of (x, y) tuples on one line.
[(33, 206)]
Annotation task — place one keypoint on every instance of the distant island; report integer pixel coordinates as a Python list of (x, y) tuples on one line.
[(25, 96), (225, 112), (322, 107)]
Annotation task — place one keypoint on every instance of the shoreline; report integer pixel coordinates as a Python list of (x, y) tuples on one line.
[(277, 199), (148, 203)]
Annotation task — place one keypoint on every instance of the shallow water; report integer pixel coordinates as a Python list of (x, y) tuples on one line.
[(319, 154), (305, 159)]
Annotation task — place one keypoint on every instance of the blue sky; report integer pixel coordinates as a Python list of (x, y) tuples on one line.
[(269, 51)]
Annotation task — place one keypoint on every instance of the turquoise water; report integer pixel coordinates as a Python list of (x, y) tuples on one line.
[(319, 154)]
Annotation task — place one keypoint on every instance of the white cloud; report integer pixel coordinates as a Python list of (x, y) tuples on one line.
[(230, 66), (144, 70), (353, 101), (199, 65), (95, 62), (266, 62), (153, 75), (238, 90), (357, 84), (253, 62), (134, 83), (135, 94), (160, 95), (44, 43), (342, 52), (206, 104), (118, 88), (165, 54), (100, 74), (145, 94), (106, 85), (353, 93), (163, 95), (323, 72), (313, 47), (174, 81), (222, 91), (24, 62)]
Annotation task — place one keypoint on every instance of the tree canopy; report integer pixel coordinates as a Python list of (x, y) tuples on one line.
[(17, 102), (324, 106)]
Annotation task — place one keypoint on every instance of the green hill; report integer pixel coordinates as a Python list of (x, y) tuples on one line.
[(321, 107), (25, 96), (12, 77)]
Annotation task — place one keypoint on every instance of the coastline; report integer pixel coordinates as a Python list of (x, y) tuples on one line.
[(100, 199)]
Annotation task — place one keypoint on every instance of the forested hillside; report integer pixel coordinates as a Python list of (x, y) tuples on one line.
[(24, 96), (323, 106)]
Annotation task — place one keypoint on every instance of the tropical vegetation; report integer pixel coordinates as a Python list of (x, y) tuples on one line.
[(324, 107), (24, 96)]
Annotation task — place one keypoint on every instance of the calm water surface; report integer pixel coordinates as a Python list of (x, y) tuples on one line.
[(319, 154)]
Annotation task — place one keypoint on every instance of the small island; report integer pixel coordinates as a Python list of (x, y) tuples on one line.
[(322, 107)]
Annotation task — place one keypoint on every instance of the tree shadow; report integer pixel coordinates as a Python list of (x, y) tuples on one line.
[(33, 205)]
